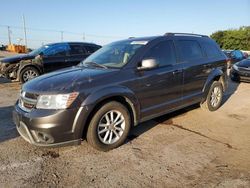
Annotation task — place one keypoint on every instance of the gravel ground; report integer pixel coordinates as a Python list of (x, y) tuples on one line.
[(187, 148)]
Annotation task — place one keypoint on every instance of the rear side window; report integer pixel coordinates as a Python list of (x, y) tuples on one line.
[(91, 49), (211, 50), (189, 50), (163, 52), (76, 49)]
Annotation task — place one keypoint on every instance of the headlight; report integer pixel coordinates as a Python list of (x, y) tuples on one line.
[(60, 101), (235, 67)]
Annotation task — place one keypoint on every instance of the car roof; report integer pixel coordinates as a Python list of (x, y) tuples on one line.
[(84, 43), (131, 39), (169, 35)]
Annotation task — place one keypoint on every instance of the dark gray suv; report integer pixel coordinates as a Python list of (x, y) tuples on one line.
[(119, 86)]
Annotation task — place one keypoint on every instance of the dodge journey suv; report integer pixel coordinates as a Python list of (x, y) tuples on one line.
[(119, 86)]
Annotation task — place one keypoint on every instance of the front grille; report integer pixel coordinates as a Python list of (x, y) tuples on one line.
[(31, 95), (27, 101), (244, 69)]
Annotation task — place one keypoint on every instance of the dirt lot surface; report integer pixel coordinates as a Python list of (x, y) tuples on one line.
[(188, 148)]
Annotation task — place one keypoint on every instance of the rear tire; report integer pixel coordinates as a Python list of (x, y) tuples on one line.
[(214, 97), (109, 126), (28, 73)]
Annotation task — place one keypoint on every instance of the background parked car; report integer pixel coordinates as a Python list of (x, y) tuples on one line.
[(48, 58), (241, 71), (234, 56)]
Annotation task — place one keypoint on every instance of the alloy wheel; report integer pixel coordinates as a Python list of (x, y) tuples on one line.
[(29, 74), (215, 96), (111, 127)]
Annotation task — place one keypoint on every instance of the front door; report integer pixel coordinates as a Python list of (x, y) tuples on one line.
[(76, 55), (160, 88), (54, 57)]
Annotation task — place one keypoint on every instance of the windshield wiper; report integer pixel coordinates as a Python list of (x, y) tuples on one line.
[(96, 64)]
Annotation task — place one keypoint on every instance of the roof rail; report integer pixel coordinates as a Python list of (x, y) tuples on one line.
[(184, 34)]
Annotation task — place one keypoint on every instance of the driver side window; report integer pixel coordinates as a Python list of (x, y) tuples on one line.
[(58, 50), (163, 53)]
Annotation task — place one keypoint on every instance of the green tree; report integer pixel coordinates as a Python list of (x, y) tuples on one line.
[(233, 38)]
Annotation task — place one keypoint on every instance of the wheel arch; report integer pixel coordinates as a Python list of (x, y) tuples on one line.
[(121, 95), (24, 64), (215, 75)]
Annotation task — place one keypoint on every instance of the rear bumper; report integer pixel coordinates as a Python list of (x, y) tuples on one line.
[(50, 127)]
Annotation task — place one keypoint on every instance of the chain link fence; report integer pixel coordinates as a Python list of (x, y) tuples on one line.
[(37, 36)]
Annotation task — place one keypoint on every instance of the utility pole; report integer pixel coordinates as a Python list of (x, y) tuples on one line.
[(24, 31), (61, 36), (83, 36), (8, 27)]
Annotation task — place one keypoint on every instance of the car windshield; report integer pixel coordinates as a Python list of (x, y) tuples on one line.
[(39, 50), (114, 55)]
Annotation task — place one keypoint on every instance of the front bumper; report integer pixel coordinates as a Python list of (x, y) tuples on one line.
[(240, 75), (8, 70), (50, 127)]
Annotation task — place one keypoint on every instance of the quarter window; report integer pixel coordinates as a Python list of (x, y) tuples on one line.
[(189, 50), (211, 50), (163, 52)]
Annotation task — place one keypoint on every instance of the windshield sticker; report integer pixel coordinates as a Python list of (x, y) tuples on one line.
[(139, 42)]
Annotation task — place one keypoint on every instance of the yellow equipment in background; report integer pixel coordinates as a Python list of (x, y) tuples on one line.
[(17, 48)]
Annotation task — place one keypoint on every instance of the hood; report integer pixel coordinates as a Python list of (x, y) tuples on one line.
[(67, 80), (244, 63), (17, 58)]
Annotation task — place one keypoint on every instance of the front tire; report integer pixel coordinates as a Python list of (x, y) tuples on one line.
[(109, 126), (214, 97), (28, 73)]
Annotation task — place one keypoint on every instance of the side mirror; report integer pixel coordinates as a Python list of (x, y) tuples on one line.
[(148, 64)]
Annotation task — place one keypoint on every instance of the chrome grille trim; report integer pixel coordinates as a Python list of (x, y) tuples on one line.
[(244, 69), (24, 101)]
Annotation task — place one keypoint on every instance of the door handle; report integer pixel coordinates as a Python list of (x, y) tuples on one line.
[(177, 71)]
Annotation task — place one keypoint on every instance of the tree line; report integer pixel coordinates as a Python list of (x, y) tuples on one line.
[(233, 39)]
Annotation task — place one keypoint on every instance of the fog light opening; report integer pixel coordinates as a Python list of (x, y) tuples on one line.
[(44, 138)]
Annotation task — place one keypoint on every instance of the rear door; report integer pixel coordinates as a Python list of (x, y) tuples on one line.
[(76, 55), (160, 88), (54, 57), (91, 49), (196, 68)]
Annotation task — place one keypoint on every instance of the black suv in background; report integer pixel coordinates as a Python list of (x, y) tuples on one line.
[(119, 86), (48, 58)]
